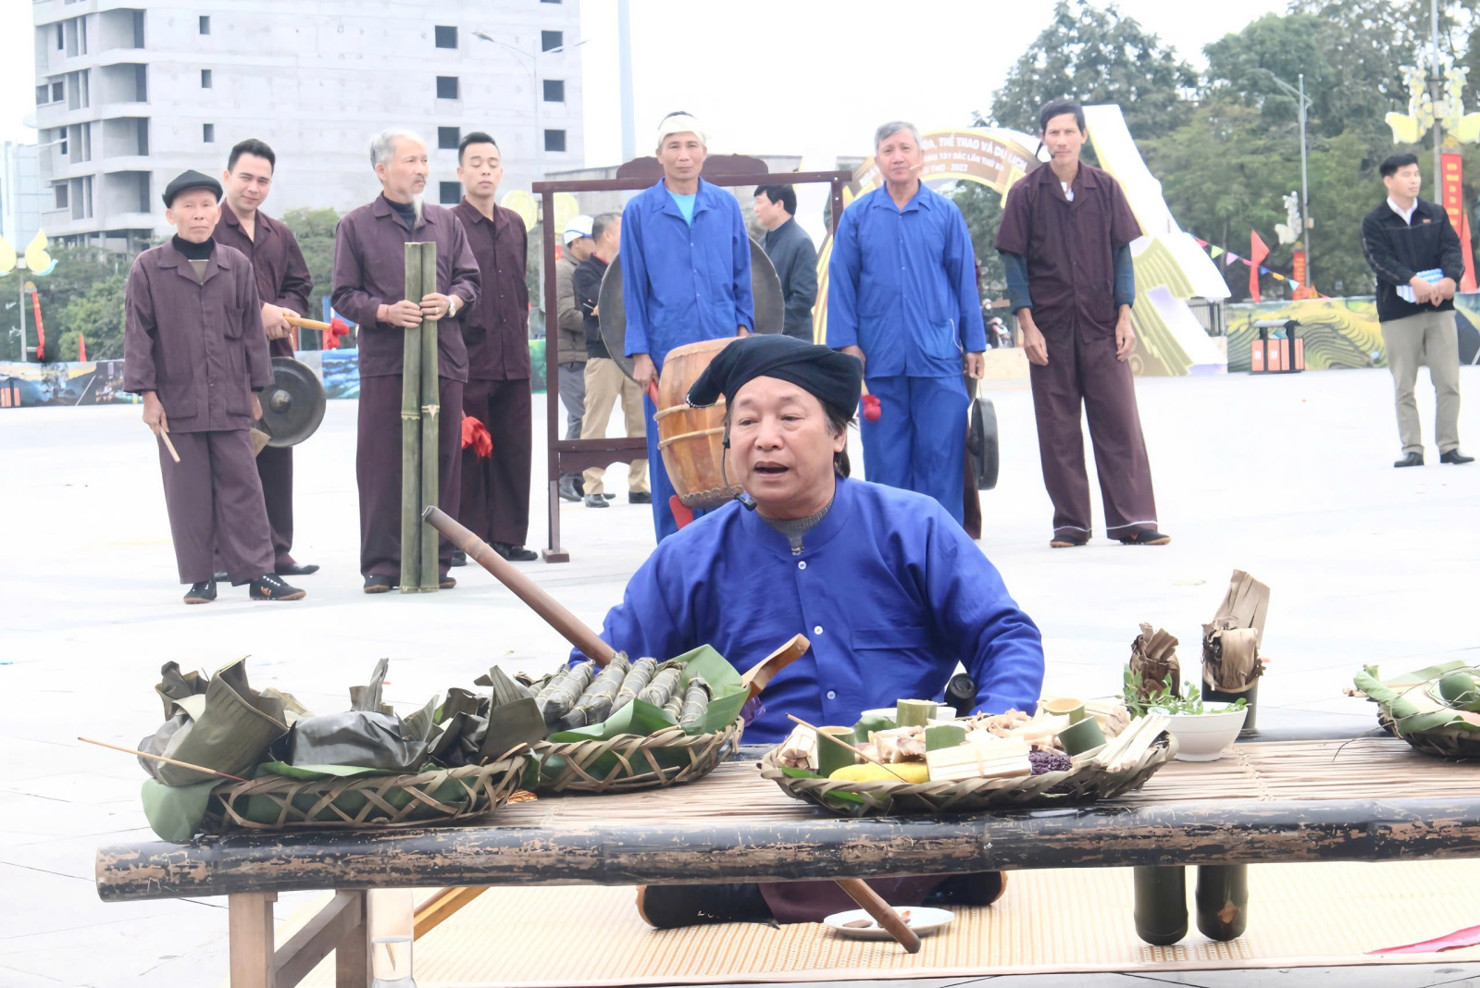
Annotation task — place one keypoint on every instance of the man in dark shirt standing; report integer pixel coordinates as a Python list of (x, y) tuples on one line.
[(791, 253), (570, 350), (1065, 243), (283, 284), (194, 350), (495, 489), (1402, 239), (369, 280), (605, 381)]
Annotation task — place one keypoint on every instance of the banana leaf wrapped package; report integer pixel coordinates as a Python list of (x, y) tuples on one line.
[(595, 704), (564, 690), (637, 679)]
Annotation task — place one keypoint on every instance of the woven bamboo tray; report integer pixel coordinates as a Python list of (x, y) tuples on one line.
[(1445, 742), (275, 802), (633, 761), (1083, 783)]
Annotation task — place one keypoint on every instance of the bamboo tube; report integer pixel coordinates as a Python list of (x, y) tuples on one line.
[(430, 422), (411, 434)]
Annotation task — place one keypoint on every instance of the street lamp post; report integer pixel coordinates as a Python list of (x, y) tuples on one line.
[(1302, 103), (531, 66)]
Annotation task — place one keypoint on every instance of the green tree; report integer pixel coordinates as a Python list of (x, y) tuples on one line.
[(314, 229), (97, 317), (982, 209), (1095, 55)]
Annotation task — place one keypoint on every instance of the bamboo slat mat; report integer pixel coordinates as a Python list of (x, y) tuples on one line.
[(1367, 768), (1300, 915)]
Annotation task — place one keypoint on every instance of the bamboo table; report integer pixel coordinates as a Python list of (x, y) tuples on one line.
[(1367, 799)]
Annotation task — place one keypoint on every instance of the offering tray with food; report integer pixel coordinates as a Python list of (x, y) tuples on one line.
[(917, 763), (1436, 710)]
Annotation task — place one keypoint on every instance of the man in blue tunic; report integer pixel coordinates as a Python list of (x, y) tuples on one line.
[(902, 298), (685, 275), (890, 591)]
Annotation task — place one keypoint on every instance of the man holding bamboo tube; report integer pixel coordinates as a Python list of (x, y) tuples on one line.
[(284, 284), (369, 282)]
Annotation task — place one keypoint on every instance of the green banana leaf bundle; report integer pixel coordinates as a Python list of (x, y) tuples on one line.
[(1436, 710)]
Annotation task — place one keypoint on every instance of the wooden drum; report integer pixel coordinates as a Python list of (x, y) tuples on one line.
[(691, 439)]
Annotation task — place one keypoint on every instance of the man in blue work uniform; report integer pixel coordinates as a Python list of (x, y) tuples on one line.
[(889, 590), (902, 298), (685, 275)]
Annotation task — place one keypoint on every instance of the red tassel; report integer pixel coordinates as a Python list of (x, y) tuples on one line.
[(871, 408), (475, 435), (681, 514), (337, 328)]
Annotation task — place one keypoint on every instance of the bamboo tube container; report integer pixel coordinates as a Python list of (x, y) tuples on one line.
[(411, 434), (430, 424)]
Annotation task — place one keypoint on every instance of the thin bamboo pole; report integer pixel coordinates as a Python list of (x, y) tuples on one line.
[(430, 423), (411, 434)]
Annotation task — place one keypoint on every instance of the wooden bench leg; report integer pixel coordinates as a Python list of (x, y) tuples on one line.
[(352, 952), (249, 922)]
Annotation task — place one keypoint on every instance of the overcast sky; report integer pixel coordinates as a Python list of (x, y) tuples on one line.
[(778, 76)]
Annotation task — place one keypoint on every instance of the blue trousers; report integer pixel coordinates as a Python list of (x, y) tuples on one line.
[(919, 441), (663, 522)]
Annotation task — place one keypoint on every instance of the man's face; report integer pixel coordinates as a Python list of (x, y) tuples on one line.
[(248, 182), (194, 214), (899, 157), (1404, 182), (682, 156), (611, 239), (782, 448), (770, 214), (481, 170), (404, 177), (580, 248), (1063, 138)]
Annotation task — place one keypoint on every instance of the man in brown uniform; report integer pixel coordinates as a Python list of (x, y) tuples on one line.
[(194, 349), (283, 284), (369, 280), (1065, 243), (495, 489)]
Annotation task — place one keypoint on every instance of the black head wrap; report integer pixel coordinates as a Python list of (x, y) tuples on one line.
[(190, 180), (835, 378)]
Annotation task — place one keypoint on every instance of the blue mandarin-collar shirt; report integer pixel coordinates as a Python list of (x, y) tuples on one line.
[(684, 281), (889, 590), (902, 286)]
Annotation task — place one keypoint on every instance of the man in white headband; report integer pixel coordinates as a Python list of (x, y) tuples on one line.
[(685, 273)]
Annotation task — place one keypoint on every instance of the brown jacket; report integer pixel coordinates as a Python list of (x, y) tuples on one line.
[(199, 346), (497, 328), (282, 274), (370, 271)]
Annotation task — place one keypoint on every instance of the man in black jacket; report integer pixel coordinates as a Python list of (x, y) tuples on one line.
[(1416, 255), (605, 381), (791, 253)]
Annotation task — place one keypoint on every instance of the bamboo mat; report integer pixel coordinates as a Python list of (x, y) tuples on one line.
[(1300, 915)]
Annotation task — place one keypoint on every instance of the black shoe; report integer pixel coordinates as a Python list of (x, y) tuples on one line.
[(639, 497), (1146, 536), (594, 501), (297, 569), (609, 497), (981, 888), (271, 587), (1456, 457), (668, 907), (446, 583), (201, 593), (568, 490), (459, 558), (515, 553), (379, 584), (1411, 460), (1069, 541)]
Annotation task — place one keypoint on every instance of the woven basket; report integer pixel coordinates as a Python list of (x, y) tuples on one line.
[(275, 802), (1083, 783), (1445, 742), (633, 761)]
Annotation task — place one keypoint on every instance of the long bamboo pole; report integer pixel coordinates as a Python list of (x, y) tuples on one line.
[(411, 434), (430, 423)]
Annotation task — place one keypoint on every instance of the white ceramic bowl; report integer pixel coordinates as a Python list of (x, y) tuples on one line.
[(1204, 737)]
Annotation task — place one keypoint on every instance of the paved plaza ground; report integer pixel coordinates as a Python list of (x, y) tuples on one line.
[(1287, 477)]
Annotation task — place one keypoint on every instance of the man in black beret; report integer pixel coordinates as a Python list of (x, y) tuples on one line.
[(194, 350), (890, 591)]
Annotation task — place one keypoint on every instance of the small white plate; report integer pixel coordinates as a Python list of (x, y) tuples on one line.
[(923, 920)]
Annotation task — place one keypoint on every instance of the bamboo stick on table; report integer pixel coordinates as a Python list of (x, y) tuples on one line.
[(430, 423), (161, 758), (411, 451)]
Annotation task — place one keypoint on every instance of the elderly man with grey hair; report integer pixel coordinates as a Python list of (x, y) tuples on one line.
[(902, 298), (369, 282)]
